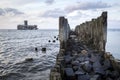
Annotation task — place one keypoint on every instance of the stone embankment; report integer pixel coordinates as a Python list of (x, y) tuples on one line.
[(82, 53)]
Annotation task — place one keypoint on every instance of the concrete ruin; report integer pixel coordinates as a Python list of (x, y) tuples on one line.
[(64, 30), (26, 26), (94, 32), (82, 53)]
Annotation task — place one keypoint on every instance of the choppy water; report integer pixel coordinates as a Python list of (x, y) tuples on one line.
[(17, 45)]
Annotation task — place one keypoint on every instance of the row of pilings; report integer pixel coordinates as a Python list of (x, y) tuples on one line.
[(76, 47), (94, 32)]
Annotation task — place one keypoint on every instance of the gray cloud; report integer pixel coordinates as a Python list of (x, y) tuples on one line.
[(54, 13), (49, 1), (78, 15), (87, 6), (4, 11), (21, 3), (33, 2)]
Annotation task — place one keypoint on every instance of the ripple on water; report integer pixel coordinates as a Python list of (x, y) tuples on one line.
[(18, 45), (11, 76)]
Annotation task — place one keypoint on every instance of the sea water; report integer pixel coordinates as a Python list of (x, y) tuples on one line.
[(18, 45), (113, 42)]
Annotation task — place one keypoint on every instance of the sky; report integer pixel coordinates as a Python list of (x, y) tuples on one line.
[(45, 13)]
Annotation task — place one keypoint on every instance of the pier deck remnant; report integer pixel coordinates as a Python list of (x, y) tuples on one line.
[(82, 53)]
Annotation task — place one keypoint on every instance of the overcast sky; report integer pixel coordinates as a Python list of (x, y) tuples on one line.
[(45, 13)]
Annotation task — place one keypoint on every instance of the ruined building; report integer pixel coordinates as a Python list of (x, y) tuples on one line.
[(26, 26)]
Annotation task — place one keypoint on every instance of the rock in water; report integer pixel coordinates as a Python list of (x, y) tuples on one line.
[(29, 59), (53, 41), (49, 41), (56, 38), (36, 49), (43, 49)]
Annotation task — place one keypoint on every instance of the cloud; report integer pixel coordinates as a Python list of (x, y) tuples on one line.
[(77, 15), (49, 1), (21, 3), (87, 6), (15, 11), (11, 11), (54, 13), (2, 12), (25, 2)]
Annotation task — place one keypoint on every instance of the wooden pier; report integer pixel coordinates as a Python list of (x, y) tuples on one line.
[(82, 54)]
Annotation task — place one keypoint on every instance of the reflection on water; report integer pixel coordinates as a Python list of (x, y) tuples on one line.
[(18, 45)]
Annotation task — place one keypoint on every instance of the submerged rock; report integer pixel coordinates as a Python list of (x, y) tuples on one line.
[(43, 49), (49, 41), (53, 41), (56, 38), (29, 59), (36, 49)]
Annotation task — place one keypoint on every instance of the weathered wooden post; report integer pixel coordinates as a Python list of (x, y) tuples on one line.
[(94, 32), (64, 30), (104, 24)]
